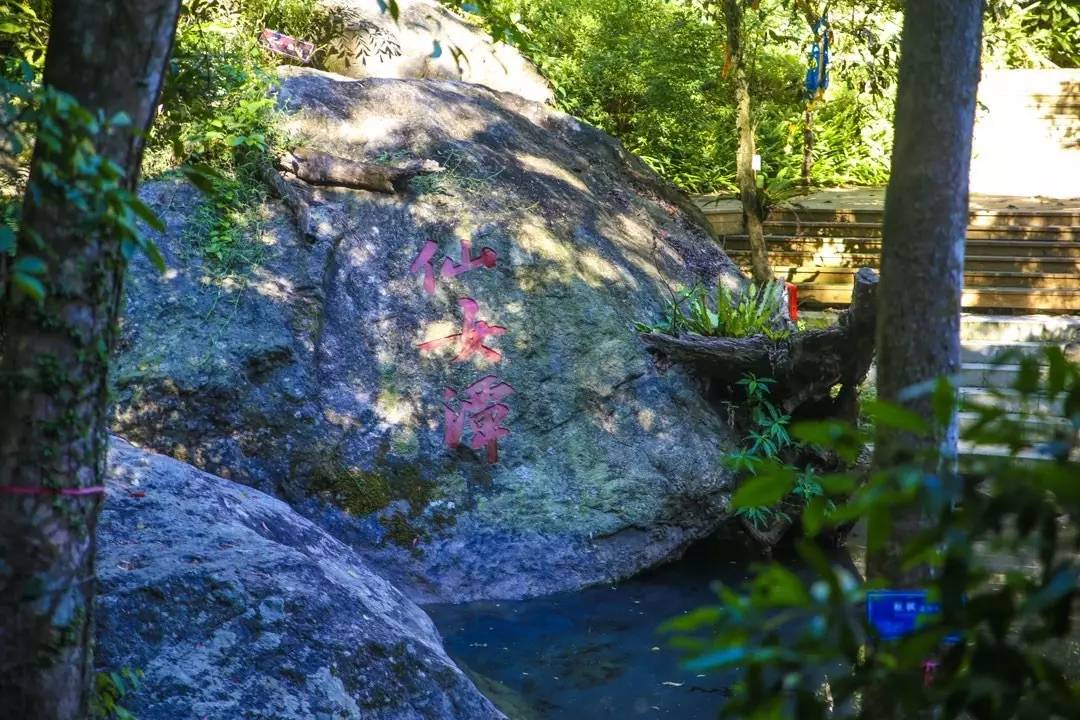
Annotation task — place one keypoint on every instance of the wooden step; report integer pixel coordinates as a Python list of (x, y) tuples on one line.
[(835, 275), (1056, 231), (828, 257), (809, 245), (1008, 219)]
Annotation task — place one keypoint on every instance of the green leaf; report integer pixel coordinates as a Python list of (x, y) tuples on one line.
[(896, 417), (878, 526), (768, 488), (7, 239), (777, 587), (837, 483), (29, 285), (1027, 376), (813, 516), (205, 178), (944, 401), (29, 265), (1062, 584), (147, 214)]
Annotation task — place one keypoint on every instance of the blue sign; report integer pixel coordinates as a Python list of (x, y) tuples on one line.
[(897, 613)]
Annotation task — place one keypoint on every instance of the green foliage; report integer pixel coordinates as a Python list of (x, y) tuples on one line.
[(756, 311), (24, 34), (1000, 545), (71, 173), (110, 689), (1032, 33), (216, 104), (656, 74), (763, 498)]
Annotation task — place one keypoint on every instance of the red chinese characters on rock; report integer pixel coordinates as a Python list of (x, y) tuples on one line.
[(424, 263), (470, 340), (482, 408)]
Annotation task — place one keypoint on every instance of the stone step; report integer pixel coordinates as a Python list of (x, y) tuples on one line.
[(1007, 329), (1066, 300), (1011, 401), (1044, 427), (979, 329), (993, 350)]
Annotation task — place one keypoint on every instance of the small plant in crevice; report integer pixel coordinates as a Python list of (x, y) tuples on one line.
[(756, 311), (225, 228), (110, 689), (768, 441)]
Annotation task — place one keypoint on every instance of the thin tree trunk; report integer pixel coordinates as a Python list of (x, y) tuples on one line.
[(926, 218), (110, 55), (808, 146), (744, 159)]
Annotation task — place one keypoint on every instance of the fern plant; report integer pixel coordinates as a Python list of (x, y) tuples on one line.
[(768, 441), (756, 311)]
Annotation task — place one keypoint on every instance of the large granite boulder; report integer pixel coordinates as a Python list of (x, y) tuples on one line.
[(426, 41), (233, 606), (307, 374)]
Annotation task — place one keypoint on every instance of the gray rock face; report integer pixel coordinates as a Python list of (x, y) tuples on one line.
[(422, 43), (306, 376), (233, 606)]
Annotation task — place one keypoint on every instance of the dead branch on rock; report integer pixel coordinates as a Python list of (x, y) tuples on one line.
[(295, 199), (320, 168), (805, 365)]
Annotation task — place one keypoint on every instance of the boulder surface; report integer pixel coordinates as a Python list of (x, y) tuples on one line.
[(426, 41), (492, 303), (233, 606)]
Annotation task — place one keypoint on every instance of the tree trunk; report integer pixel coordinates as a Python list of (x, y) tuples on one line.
[(808, 145), (744, 159), (110, 55), (926, 218)]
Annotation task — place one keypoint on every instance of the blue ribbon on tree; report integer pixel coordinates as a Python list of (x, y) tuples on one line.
[(817, 75)]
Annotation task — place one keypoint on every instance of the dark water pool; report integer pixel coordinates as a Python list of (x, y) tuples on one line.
[(595, 653)]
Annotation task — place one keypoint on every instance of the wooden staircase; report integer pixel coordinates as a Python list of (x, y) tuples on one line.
[(1018, 259)]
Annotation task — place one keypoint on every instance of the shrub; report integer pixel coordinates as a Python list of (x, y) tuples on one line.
[(803, 648)]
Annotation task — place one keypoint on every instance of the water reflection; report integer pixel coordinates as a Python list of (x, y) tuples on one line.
[(595, 654)]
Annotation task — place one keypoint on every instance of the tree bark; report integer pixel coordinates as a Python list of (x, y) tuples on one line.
[(926, 218), (321, 168), (760, 267), (110, 55), (806, 365), (808, 145)]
